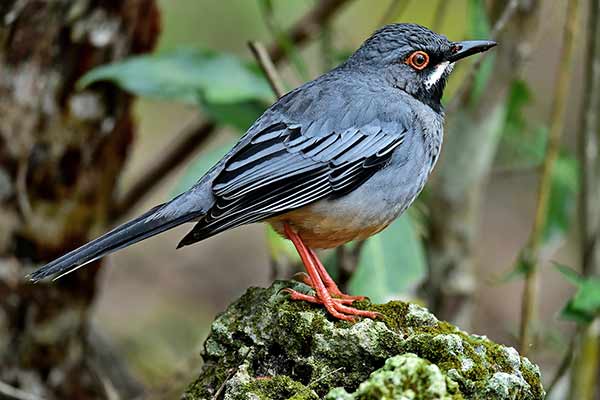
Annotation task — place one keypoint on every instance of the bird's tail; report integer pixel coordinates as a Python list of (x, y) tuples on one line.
[(149, 224)]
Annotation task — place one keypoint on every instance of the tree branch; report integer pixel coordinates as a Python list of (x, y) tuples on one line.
[(557, 118), (305, 29), (266, 64)]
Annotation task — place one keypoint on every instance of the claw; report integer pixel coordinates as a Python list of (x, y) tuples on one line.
[(295, 295)]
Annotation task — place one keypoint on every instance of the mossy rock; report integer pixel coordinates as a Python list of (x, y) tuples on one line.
[(265, 346)]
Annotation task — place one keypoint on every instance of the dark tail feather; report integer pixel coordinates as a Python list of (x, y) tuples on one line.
[(122, 236)]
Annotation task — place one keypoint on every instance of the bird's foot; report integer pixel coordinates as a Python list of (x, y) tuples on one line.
[(336, 307), (324, 286), (332, 289)]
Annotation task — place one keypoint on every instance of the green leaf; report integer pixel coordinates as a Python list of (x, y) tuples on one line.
[(391, 263), (237, 115), (523, 141), (570, 274), (563, 198), (584, 306), (183, 74), (519, 96)]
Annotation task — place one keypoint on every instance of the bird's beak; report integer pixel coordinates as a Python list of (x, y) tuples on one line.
[(468, 48)]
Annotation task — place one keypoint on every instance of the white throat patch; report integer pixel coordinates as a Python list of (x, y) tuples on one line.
[(437, 73)]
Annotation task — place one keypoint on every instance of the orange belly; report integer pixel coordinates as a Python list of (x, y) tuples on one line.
[(321, 231)]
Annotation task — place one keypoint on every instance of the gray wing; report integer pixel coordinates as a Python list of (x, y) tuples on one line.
[(282, 169), (283, 165)]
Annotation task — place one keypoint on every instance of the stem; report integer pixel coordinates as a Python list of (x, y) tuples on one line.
[(585, 367), (264, 61), (562, 369), (464, 91), (587, 148), (557, 118), (308, 26), (283, 39)]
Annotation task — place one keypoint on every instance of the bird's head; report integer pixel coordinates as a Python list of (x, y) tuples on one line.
[(415, 59)]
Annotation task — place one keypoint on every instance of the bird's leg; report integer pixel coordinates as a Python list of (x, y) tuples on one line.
[(333, 306), (330, 284), (304, 278)]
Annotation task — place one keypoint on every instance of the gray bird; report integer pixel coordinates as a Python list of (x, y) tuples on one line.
[(335, 160)]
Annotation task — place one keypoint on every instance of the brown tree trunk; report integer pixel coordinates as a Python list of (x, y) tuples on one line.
[(61, 153)]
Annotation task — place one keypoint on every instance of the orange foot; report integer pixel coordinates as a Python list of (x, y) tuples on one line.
[(327, 292), (332, 289)]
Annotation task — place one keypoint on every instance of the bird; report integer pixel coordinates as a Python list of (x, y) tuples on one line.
[(335, 160)]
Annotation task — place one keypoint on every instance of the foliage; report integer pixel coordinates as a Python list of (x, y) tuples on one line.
[(523, 144), (563, 197), (231, 90), (584, 306), (523, 140), (391, 263)]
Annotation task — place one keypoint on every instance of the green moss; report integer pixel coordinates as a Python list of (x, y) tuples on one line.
[(276, 387), (270, 347), (405, 376)]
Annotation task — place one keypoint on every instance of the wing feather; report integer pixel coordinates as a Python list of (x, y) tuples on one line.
[(286, 166)]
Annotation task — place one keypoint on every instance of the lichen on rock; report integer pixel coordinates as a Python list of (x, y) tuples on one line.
[(265, 346), (406, 376)]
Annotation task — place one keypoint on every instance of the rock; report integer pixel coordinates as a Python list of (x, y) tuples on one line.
[(265, 346)]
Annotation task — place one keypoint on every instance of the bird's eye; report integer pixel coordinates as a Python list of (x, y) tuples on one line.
[(418, 60)]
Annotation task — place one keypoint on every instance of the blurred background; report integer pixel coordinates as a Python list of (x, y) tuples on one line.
[(502, 241)]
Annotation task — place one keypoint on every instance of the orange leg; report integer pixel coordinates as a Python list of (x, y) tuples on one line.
[(332, 288), (334, 306)]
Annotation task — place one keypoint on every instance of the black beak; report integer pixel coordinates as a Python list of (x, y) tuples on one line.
[(468, 48)]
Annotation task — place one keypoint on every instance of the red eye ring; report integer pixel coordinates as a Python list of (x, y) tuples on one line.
[(418, 60)]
